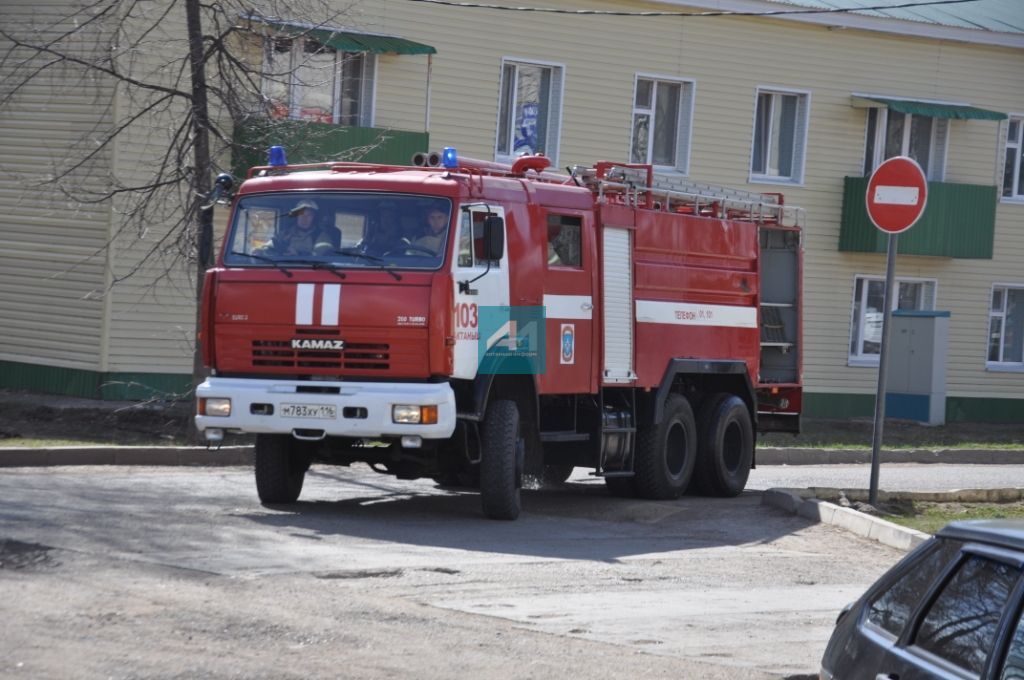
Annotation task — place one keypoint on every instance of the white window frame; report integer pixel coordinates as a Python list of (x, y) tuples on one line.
[(799, 141), (557, 99), (857, 324), (1017, 147), (684, 124), (1003, 366), (938, 144), (368, 81)]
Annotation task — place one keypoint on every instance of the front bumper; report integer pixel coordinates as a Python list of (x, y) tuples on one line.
[(257, 406)]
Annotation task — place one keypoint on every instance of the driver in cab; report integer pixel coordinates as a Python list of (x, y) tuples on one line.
[(305, 236), (437, 226)]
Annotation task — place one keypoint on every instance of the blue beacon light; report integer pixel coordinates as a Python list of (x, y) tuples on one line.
[(276, 157), (449, 157)]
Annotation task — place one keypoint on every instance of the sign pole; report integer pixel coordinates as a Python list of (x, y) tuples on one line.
[(896, 197), (883, 365)]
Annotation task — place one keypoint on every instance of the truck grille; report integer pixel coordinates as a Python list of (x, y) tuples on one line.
[(355, 356)]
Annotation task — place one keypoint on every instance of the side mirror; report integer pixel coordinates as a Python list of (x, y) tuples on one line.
[(494, 237), (221, 191)]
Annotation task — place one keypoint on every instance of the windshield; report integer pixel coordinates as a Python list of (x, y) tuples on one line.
[(357, 230)]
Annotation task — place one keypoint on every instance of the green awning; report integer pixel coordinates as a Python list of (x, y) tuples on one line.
[(936, 110), (349, 41)]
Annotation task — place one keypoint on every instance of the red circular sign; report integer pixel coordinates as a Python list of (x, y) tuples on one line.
[(897, 193)]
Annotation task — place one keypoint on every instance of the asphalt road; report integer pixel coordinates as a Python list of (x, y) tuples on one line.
[(891, 477), (179, 572)]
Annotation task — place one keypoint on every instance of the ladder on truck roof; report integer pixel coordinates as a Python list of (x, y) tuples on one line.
[(638, 185)]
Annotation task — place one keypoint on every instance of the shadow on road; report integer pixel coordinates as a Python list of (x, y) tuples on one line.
[(578, 521)]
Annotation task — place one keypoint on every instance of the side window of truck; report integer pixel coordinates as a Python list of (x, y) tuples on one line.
[(564, 241)]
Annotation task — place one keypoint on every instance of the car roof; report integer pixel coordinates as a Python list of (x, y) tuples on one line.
[(1007, 533)]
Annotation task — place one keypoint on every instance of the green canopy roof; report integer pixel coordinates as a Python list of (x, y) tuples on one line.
[(349, 41), (938, 110)]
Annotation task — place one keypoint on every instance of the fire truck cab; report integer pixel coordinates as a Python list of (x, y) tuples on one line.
[(484, 324)]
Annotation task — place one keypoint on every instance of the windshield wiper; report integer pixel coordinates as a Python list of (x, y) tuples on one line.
[(356, 252), (264, 258), (329, 267)]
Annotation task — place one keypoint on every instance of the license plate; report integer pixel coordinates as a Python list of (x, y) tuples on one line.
[(326, 411)]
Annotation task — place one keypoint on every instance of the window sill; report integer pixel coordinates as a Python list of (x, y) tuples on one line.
[(1012, 200), (1004, 368), (766, 179), (862, 362)]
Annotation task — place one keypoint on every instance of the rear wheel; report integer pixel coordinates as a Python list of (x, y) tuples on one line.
[(666, 452), (281, 464), (501, 460), (726, 447)]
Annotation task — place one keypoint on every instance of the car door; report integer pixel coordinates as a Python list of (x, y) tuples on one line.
[(955, 633), (881, 618), (1008, 663), (569, 304)]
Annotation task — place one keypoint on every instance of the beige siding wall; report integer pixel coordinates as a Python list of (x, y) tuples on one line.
[(729, 58), (52, 258), (151, 314)]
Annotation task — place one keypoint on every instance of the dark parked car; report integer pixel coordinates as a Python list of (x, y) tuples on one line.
[(952, 608)]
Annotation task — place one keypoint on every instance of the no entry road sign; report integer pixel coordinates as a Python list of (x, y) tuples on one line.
[(897, 193)]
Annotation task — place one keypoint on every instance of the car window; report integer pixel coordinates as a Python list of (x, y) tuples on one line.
[(1013, 667), (891, 609), (961, 624)]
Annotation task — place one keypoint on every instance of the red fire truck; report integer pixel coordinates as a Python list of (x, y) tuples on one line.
[(346, 321)]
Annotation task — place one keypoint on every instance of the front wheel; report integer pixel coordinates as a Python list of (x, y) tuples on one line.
[(501, 460), (726, 447), (281, 464)]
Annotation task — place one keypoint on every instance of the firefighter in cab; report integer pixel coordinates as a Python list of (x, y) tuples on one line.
[(304, 236)]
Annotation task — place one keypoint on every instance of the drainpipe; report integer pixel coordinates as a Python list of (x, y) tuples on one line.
[(426, 112)]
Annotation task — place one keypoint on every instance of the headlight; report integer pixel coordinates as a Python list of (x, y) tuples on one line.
[(410, 414), (215, 406)]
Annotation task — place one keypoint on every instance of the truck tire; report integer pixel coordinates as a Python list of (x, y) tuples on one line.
[(666, 452), (281, 466), (500, 460), (726, 447)]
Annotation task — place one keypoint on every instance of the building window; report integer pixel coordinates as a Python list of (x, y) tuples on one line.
[(1006, 328), (780, 135), (662, 114), (923, 138), (868, 306), (306, 80), (1013, 172), (530, 110)]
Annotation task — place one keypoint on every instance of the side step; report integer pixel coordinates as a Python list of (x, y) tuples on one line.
[(564, 436)]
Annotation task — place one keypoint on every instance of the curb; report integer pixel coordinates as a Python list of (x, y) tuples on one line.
[(125, 455), (243, 455), (887, 533), (768, 455)]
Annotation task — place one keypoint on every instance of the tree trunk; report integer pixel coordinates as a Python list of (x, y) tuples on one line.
[(201, 172)]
